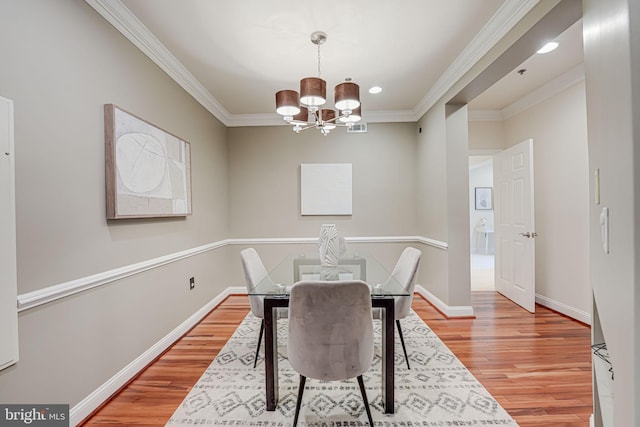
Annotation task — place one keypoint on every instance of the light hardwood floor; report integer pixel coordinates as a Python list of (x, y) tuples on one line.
[(538, 367)]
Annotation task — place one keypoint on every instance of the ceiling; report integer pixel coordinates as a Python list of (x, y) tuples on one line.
[(233, 56), (540, 70)]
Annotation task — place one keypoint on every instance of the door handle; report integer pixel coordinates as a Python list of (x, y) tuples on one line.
[(529, 235)]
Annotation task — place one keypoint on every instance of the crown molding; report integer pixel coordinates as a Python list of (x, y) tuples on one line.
[(118, 15), (130, 26), (399, 116), (555, 86), (390, 116), (123, 20), (239, 120), (485, 115), (507, 16)]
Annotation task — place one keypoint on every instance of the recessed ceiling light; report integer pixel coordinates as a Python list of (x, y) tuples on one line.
[(375, 89), (548, 47)]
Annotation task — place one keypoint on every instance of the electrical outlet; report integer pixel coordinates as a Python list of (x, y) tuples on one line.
[(192, 283)]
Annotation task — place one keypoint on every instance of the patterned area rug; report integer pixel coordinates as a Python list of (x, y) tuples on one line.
[(437, 391)]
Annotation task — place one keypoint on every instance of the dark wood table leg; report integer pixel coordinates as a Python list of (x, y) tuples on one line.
[(271, 348), (388, 352)]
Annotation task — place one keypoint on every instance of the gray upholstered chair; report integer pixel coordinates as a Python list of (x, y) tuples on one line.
[(254, 273), (330, 333), (404, 272)]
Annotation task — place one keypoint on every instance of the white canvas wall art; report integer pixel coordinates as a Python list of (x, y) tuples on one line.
[(148, 170), (325, 189)]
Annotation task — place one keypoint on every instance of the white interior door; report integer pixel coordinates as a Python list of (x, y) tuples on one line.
[(8, 283), (514, 225)]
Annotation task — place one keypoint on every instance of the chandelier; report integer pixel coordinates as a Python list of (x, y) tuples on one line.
[(305, 110)]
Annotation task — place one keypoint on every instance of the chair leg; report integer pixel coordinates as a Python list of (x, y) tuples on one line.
[(255, 360), (364, 397), (303, 379), (402, 341)]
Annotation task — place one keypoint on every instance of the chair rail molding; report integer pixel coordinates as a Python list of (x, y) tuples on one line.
[(374, 239), (52, 293)]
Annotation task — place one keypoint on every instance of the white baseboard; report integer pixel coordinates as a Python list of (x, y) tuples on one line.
[(92, 402), (567, 310), (447, 310), (467, 311), (89, 404)]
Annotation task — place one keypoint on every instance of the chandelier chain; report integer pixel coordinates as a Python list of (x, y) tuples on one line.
[(319, 75)]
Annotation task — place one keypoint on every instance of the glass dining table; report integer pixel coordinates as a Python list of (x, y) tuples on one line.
[(275, 289)]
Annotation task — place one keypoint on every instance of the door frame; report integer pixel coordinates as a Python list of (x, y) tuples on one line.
[(8, 266)]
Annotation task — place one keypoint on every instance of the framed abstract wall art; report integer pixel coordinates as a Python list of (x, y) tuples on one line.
[(148, 170), (484, 200)]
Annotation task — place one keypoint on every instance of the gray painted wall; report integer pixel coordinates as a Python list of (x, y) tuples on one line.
[(432, 200), (436, 185), (61, 62), (264, 171), (245, 184), (612, 75), (558, 127), (264, 177), (457, 207), (485, 136)]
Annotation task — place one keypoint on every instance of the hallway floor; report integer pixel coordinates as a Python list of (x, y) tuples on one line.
[(482, 267)]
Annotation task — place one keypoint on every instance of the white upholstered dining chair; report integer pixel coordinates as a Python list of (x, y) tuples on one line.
[(254, 273), (404, 272), (330, 334)]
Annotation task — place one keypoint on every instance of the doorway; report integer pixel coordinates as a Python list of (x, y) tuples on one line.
[(8, 272), (481, 223)]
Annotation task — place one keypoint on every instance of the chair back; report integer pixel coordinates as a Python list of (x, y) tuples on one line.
[(405, 272), (330, 329), (254, 273)]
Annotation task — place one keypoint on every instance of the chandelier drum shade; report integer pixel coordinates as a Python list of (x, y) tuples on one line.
[(305, 109), (313, 91), (347, 96), (288, 102)]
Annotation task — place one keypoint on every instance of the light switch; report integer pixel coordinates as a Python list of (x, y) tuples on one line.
[(596, 186), (604, 229)]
